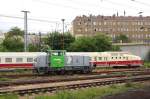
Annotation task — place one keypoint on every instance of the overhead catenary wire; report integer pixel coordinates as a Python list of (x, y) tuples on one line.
[(121, 4), (142, 3), (31, 19), (64, 6)]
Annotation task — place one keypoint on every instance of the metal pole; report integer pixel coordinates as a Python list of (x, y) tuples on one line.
[(25, 30), (40, 41), (63, 33)]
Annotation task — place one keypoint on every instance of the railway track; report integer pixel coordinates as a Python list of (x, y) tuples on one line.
[(57, 79), (53, 87), (50, 79), (94, 72)]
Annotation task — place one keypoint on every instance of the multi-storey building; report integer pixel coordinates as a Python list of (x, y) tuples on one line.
[(136, 28)]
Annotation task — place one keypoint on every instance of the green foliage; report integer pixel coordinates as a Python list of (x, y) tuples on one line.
[(122, 39), (14, 31), (147, 64), (90, 93), (57, 41), (13, 44), (9, 96), (13, 41), (33, 48), (115, 48), (97, 43)]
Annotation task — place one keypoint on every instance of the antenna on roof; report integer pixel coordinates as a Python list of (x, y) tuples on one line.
[(117, 13), (124, 13)]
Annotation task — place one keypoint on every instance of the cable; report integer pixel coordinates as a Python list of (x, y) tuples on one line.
[(120, 4), (143, 3), (65, 6), (40, 20)]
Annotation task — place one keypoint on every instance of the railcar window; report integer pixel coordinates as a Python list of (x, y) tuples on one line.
[(100, 58), (29, 59), (8, 59), (0, 60), (120, 57), (35, 59), (19, 59), (105, 58), (116, 57), (111, 57), (95, 58)]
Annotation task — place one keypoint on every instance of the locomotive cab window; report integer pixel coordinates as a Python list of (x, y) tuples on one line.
[(29, 59), (8, 59)]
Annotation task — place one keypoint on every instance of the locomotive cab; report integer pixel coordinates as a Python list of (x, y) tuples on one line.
[(56, 58)]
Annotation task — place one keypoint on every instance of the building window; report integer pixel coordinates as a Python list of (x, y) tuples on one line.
[(100, 29), (114, 23), (105, 23), (100, 23), (94, 23), (8, 59), (79, 23), (19, 59), (86, 29), (79, 30), (29, 59)]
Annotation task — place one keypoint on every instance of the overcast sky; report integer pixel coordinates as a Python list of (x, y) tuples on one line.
[(54, 10)]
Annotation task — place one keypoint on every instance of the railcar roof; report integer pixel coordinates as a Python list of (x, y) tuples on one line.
[(21, 53)]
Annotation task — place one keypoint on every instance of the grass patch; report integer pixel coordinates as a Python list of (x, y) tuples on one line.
[(147, 64), (9, 96), (5, 79), (17, 71), (91, 93)]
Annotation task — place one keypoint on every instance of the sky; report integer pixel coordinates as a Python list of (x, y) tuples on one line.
[(48, 13)]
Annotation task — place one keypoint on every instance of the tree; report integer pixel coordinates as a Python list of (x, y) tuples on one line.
[(97, 43), (13, 41), (58, 41), (13, 44), (33, 48), (122, 39), (15, 31)]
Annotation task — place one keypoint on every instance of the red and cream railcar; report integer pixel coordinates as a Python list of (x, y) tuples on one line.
[(114, 59), (18, 59)]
